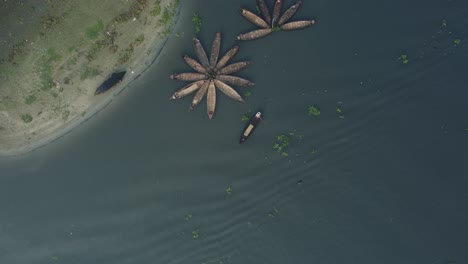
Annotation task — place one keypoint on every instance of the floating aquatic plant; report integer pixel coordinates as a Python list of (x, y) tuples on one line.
[(196, 234), (245, 118), (188, 217), (404, 58), (228, 190), (196, 19), (314, 110), (457, 41), (282, 141)]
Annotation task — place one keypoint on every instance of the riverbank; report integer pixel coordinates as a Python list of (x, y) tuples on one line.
[(48, 75)]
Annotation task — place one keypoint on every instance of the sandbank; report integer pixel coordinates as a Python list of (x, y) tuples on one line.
[(51, 68)]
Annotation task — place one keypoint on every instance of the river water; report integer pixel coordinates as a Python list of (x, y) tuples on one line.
[(146, 181)]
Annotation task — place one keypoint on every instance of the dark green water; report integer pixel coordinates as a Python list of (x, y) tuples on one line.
[(386, 184)]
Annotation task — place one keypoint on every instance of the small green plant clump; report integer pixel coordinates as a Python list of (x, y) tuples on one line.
[(30, 99), (314, 110), (27, 118), (444, 23), (282, 141), (339, 110), (156, 9), (88, 73), (457, 42), (245, 118), (229, 190), (196, 234), (247, 93), (404, 58), (93, 31), (196, 19)]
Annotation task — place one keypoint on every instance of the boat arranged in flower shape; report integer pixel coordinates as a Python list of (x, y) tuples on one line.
[(211, 74), (269, 24)]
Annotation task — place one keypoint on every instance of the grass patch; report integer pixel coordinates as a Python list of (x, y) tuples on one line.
[(45, 68), (27, 118), (134, 12), (30, 99), (93, 31), (313, 110), (156, 9), (126, 54), (196, 19), (88, 73)]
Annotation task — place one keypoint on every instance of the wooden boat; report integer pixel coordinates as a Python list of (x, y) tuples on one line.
[(253, 122), (115, 78)]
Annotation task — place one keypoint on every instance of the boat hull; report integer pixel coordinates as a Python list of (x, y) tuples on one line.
[(247, 132), (115, 78)]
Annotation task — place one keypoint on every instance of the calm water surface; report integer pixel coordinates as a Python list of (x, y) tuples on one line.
[(384, 184)]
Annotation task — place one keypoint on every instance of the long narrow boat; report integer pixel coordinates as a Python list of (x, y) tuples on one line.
[(115, 78), (253, 122)]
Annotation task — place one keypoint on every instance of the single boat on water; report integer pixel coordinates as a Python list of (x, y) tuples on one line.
[(115, 78), (253, 122)]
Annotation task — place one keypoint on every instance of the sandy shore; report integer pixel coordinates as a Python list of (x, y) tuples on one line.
[(49, 74)]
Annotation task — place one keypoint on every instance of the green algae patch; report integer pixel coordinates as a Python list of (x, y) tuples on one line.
[(245, 118), (197, 22), (457, 42), (247, 93), (313, 110), (229, 190), (403, 58)]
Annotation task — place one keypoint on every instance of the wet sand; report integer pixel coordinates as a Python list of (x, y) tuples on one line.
[(57, 53)]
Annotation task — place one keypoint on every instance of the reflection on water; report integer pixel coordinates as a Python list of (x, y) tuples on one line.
[(145, 181)]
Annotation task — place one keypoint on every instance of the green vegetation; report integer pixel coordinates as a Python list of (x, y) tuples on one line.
[(404, 58), (65, 115), (339, 110), (457, 41), (27, 118), (314, 151), (188, 217), (247, 93), (444, 23), (314, 110), (228, 190), (245, 118), (126, 54), (274, 29), (156, 9), (167, 18), (93, 31), (30, 99), (44, 68), (282, 141), (258, 9), (134, 12), (196, 234), (197, 22), (88, 73)]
